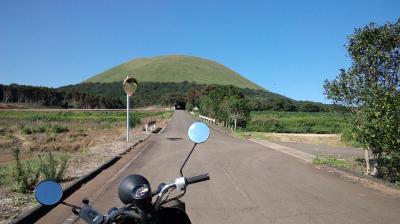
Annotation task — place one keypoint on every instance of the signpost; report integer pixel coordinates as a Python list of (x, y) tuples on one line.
[(129, 85)]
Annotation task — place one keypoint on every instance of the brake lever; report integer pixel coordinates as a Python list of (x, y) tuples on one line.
[(75, 211)]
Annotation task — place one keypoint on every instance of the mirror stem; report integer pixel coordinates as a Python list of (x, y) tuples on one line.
[(195, 144)]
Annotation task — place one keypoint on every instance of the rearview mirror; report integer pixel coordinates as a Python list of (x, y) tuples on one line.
[(48, 192), (198, 132)]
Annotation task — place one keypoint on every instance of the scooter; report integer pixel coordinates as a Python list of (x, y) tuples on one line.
[(141, 204)]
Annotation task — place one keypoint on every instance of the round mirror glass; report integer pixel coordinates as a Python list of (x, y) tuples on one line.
[(48, 192), (130, 85), (198, 132)]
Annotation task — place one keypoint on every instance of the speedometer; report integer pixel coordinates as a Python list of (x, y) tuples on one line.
[(141, 191)]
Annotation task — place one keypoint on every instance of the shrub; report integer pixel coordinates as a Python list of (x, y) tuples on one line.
[(59, 129), (3, 131), (26, 174), (134, 120), (26, 130), (389, 168), (41, 129), (53, 168)]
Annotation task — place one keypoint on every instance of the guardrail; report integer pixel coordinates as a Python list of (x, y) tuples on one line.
[(207, 119)]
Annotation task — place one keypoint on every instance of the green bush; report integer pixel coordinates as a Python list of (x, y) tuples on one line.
[(26, 174), (389, 168), (42, 129), (59, 129), (26, 130), (52, 168)]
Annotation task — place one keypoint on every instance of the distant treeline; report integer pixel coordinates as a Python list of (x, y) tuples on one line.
[(156, 93), (111, 95), (148, 93), (55, 98)]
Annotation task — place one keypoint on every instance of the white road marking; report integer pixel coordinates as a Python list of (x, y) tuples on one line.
[(287, 150)]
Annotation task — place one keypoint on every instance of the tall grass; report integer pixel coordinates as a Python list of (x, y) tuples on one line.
[(26, 174), (52, 168), (297, 122), (42, 128)]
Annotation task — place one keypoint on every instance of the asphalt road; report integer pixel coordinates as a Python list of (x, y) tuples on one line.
[(249, 183)]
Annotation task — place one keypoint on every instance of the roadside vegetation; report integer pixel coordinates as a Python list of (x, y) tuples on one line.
[(333, 161), (45, 166), (331, 128), (353, 165), (57, 145), (297, 122), (370, 88)]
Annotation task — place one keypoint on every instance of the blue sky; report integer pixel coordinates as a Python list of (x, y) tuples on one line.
[(288, 47)]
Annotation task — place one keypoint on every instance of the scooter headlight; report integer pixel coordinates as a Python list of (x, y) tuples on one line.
[(135, 189)]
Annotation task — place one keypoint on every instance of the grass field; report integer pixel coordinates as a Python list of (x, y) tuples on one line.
[(297, 122), (63, 131), (96, 116), (175, 68)]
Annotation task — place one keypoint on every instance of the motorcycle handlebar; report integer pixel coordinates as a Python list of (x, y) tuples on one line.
[(197, 179)]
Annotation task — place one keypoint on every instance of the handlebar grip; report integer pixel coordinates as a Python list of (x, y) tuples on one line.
[(196, 179)]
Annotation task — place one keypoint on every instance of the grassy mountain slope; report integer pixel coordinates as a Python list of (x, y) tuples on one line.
[(174, 68)]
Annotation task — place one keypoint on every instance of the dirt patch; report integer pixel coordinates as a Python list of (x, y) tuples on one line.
[(97, 154), (368, 182), (12, 203), (10, 106), (318, 139)]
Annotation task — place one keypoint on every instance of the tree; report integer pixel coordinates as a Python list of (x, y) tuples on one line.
[(225, 103), (238, 111), (370, 88)]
